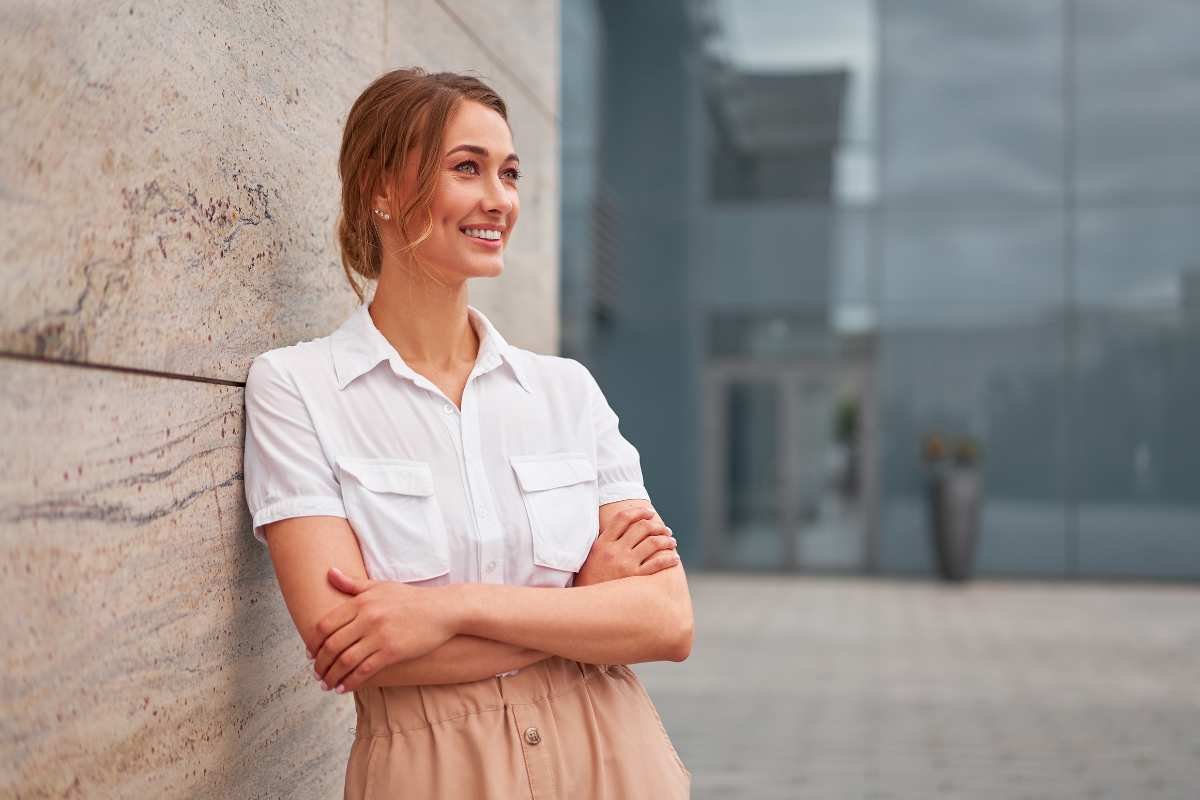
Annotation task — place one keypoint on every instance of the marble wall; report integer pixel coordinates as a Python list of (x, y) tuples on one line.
[(168, 197)]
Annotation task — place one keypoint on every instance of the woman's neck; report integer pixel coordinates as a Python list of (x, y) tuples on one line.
[(428, 324)]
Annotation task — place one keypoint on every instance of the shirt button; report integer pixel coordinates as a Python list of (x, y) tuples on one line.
[(491, 565), (449, 409), (482, 512), (532, 736)]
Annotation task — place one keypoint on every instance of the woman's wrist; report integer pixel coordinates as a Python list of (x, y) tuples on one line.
[(457, 602)]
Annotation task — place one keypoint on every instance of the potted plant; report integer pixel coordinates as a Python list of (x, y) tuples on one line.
[(955, 494)]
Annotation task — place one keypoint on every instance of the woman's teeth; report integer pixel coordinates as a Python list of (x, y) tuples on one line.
[(481, 233)]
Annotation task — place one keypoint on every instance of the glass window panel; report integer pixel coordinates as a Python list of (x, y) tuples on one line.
[(972, 98), (1137, 441), (971, 268), (1138, 257), (1138, 97)]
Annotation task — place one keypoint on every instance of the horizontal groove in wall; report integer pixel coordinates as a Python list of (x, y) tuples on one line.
[(153, 373)]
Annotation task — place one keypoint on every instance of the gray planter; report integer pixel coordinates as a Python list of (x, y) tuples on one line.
[(955, 507)]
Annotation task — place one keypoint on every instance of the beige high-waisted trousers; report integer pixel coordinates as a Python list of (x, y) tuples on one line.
[(557, 730)]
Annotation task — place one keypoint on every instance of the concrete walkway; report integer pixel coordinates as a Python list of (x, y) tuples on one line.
[(858, 688)]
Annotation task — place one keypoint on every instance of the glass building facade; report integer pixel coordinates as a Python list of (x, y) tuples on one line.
[(800, 237)]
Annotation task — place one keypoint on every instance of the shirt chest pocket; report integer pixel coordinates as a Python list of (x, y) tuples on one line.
[(394, 511), (561, 495)]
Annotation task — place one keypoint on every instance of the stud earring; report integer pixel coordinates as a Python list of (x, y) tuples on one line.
[(386, 216)]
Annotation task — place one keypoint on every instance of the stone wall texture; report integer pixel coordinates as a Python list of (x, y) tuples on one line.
[(168, 192)]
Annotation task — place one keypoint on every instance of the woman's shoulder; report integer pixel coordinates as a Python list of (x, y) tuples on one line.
[(561, 372), (290, 356), (291, 361)]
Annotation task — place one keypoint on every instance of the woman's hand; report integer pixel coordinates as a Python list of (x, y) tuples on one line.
[(636, 542), (382, 623)]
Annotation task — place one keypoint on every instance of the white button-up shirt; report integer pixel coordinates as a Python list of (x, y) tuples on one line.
[(507, 490)]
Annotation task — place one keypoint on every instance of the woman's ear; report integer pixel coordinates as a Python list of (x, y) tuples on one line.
[(383, 189)]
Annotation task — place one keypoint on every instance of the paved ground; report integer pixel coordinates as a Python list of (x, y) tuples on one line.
[(856, 688)]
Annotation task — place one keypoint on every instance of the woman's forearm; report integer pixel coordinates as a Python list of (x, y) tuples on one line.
[(461, 659), (625, 621)]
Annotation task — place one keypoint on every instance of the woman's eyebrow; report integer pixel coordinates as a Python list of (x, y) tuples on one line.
[(480, 151)]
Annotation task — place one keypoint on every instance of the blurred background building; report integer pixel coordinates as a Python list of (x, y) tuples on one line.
[(800, 235)]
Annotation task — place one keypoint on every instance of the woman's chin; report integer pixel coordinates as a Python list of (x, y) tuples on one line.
[(485, 272), (489, 270)]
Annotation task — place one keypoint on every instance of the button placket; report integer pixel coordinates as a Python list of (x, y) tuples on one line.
[(489, 531), (542, 754), (473, 460)]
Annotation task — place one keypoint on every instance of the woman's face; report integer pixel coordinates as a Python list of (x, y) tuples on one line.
[(475, 204)]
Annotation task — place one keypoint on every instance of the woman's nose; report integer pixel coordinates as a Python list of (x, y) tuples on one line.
[(496, 197)]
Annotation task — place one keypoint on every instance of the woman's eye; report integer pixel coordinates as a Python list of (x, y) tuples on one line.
[(511, 173)]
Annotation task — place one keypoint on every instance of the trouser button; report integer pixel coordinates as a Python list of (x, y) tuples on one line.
[(532, 736)]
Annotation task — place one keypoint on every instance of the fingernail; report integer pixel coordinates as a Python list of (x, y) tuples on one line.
[(340, 688), (324, 688)]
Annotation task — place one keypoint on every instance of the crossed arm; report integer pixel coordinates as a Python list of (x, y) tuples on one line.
[(497, 628)]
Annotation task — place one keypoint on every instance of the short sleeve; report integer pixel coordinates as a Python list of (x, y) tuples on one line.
[(618, 466), (285, 470)]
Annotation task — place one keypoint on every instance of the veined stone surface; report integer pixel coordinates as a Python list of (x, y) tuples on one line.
[(148, 651)]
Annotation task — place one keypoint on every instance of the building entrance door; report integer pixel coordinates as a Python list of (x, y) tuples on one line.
[(787, 456)]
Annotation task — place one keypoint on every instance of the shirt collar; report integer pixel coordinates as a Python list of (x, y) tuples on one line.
[(358, 347)]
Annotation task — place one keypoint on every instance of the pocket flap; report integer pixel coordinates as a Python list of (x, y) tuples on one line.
[(390, 475), (536, 473)]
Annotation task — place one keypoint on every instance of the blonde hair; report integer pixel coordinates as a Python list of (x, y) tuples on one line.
[(401, 111)]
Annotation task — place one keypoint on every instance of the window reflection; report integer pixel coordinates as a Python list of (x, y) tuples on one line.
[(1137, 73), (972, 100), (972, 215)]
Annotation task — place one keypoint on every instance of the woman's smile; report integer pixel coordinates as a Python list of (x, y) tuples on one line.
[(489, 236)]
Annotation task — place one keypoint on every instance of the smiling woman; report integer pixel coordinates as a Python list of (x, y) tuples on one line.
[(463, 538), (392, 165)]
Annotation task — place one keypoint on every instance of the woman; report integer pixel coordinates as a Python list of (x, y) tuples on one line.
[(462, 536)]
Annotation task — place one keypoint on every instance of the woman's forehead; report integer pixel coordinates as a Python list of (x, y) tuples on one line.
[(476, 124)]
